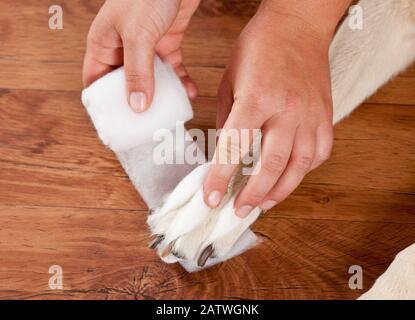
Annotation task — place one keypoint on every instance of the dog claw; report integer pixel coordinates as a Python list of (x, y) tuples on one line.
[(167, 250), (150, 211), (206, 253), (177, 255), (156, 241)]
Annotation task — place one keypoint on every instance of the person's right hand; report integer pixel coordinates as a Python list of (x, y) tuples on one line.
[(130, 32)]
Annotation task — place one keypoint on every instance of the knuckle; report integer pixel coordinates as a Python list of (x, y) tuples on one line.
[(254, 105), (325, 143), (275, 163), (292, 100), (228, 150), (254, 109), (253, 198), (278, 196), (303, 163), (133, 34), (93, 32), (133, 76), (92, 44), (252, 195), (275, 194), (325, 154), (216, 180)]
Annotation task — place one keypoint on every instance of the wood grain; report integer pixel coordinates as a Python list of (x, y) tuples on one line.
[(64, 199), (103, 255)]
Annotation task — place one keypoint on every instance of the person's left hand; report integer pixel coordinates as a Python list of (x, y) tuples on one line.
[(129, 33)]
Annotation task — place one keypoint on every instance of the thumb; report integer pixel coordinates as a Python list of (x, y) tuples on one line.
[(139, 73), (225, 101)]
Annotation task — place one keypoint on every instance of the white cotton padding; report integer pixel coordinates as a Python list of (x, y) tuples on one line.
[(130, 136), (118, 126), (152, 180)]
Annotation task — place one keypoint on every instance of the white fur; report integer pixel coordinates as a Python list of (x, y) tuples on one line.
[(245, 242), (186, 189), (398, 281), (363, 60)]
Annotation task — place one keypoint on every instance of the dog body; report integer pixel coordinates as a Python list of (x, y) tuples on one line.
[(361, 60)]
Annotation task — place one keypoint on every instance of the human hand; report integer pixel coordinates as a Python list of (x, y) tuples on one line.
[(129, 32), (278, 80)]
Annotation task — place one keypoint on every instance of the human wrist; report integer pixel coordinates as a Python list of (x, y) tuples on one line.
[(315, 19)]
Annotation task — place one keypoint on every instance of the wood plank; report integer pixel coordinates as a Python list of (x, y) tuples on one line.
[(64, 199), (103, 255), (59, 126), (400, 90), (43, 186), (58, 148), (66, 76), (52, 59), (229, 7), (60, 188), (373, 147), (210, 36), (51, 129), (316, 201)]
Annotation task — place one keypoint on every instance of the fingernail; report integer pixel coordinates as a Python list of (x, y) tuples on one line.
[(214, 199), (268, 204), (138, 101), (243, 211)]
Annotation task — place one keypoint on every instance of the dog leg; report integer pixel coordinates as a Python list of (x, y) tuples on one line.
[(363, 60)]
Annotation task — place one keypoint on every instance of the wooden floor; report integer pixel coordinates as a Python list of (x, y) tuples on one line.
[(65, 200)]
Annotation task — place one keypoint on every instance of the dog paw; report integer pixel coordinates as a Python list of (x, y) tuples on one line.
[(185, 228)]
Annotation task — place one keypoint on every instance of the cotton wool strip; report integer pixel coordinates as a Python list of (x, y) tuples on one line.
[(130, 136)]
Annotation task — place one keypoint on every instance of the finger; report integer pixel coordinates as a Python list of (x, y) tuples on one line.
[(298, 166), (169, 46), (225, 100), (139, 71), (224, 163), (188, 9), (324, 144), (190, 86), (248, 114), (175, 59), (188, 83), (112, 56), (93, 70), (99, 58), (277, 145), (229, 151)]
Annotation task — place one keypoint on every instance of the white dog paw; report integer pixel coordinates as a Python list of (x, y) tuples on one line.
[(185, 228)]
